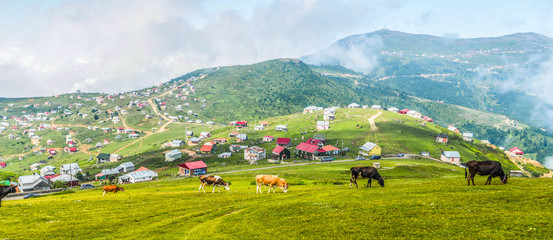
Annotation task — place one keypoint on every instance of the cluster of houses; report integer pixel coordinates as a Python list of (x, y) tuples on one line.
[(48, 176)]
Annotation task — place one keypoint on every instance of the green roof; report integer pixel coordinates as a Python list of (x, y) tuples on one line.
[(103, 155)]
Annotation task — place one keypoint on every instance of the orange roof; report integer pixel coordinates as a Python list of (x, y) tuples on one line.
[(264, 122), (234, 133), (220, 139), (330, 148), (141, 169), (206, 148)]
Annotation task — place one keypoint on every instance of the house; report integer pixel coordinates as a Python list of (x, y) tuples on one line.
[(309, 151), (376, 107), (515, 173), (467, 137), (134, 135), (241, 137), (106, 141), (2, 164), (99, 145), (33, 182), (370, 149), (192, 168), (102, 158), (268, 138), (453, 129), (193, 141), (403, 111), (69, 180), (313, 141), (237, 148), (254, 154), (176, 143), (284, 142), (414, 114), (427, 118), (138, 176), (105, 173), (120, 130), (451, 157), (189, 133), (441, 138), (281, 128), (48, 170), (126, 167), (516, 152), (52, 151), (331, 150), (114, 157), (70, 149), (323, 125), (233, 134), (259, 128), (206, 148), (241, 124), (280, 153), (354, 105), (173, 155), (220, 140), (225, 155), (205, 134), (70, 169), (264, 123), (49, 142), (311, 109)]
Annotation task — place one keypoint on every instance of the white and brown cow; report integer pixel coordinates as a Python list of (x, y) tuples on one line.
[(272, 181), (216, 181)]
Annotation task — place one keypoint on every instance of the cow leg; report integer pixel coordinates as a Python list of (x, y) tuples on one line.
[(104, 193), (472, 179), (0, 202), (270, 186), (369, 183), (213, 188), (200, 188), (489, 182), (258, 189)]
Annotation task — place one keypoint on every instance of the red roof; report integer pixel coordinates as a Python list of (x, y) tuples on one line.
[(278, 149), (52, 150), (72, 149), (404, 111), (330, 148), (121, 128), (306, 147), (268, 136), (206, 148), (193, 165), (516, 150), (141, 169), (2, 164), (234, 133), (284, 140), (242, 122), (51, 176), (313, 141)]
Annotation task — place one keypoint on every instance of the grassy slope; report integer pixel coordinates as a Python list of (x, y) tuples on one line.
[(421, 199)]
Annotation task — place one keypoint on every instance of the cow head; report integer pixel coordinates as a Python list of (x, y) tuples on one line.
[(227, 186), (284, 187), (121, 189), (381, 181), (504, 180)]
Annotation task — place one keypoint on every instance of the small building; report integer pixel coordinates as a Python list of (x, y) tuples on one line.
[(515, 173), (331, 150), (173, 155), (48, 170), (241, 137), (393, 109), (99, 145), (403, 111), (114, 157), (451, 157), (126, 167), (52, 151), (70, 169), (370, 149), (354, 105), (259, 128), (2, 164), (378, 107), (233, 134), (192, 168), (467, 137), (264, 123), (441, 138), (453, 129), (254, 154), (69, 180), (176, 143), (376, 165), (206, 148), (205, 134), (193, 141), (414, 114), (189, 133), (284, 142), (220, 140), (280, 153), (225, 155), (105, 173), (516, 152), (323, 125), (138, 176), (33, 182), (268, 138), (103, 158), (281, 128), (309, 151), (311, 109)]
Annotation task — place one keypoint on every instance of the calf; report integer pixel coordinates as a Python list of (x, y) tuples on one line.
[(5, 190), (272, 181), (490, 168), (365, 172), (112, 188), (216, 181)]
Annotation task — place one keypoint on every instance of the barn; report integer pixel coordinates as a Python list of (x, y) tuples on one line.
[(451, 157), (192, 168), (441, 138)]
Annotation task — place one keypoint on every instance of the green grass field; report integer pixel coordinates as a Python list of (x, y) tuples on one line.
[(421, 199)]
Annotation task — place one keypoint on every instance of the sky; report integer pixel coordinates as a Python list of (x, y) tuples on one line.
[(57, 46)]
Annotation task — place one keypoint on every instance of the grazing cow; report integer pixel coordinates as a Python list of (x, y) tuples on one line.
[(216, 181), (272, 181), (5, 190), (485, 168), (112, 188), (365, 172)]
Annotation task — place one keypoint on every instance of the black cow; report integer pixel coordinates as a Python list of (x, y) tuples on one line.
[(365, 172), (5, 190), (485, 168)]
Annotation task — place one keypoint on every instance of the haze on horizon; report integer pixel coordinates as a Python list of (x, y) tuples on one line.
[(55, 47)]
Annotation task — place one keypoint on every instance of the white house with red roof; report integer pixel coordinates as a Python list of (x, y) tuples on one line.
[(284, 142), (516, 152), (268, 138), (192, 168)]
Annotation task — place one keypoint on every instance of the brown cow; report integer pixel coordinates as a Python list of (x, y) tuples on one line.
[(112, 188), (216, 181), (272, 181)]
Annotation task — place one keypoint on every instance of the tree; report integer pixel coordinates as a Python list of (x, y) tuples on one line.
[(96, 117), (59, 184), (79, 176), (111, 178)]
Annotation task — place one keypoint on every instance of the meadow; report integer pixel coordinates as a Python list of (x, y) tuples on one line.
[(421, 199)]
